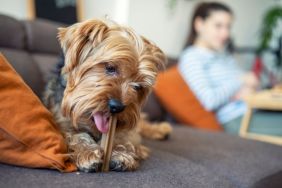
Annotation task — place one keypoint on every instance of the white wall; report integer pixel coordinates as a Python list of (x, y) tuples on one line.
[(15, 8), (113, 9), (153, 18)]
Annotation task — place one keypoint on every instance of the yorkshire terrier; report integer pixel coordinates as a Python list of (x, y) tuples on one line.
[(108, 69)]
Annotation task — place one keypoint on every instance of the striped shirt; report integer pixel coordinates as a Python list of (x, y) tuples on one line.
[(214, 78)]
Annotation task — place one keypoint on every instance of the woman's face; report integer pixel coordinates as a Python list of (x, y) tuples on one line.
[(214, 31)]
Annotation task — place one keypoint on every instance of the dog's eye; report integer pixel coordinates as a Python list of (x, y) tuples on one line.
[(111, 70), (137, 87)]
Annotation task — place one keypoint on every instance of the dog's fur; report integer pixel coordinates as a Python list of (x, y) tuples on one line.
[(102, 61)]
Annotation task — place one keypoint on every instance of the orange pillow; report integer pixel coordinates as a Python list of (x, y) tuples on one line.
[(28, 135), (176, 96)]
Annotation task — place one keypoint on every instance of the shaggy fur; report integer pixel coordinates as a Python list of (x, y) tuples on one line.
[(104, 61)]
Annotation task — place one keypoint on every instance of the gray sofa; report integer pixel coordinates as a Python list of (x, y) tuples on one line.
[(190, 158)]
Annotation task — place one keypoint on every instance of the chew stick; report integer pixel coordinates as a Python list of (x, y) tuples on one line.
[(107, 143)]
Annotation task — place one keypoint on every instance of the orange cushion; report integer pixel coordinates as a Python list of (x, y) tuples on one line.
[(176, 96), (28, 135)]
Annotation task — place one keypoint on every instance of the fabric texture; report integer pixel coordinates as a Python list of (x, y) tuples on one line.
[(24, 65), (28, 135), (179, 100), (191, 158)]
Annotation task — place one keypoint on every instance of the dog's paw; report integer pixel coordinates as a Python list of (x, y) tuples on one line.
[(161, 131), (142, 152), (121, 164), (90, 160), (123, 160)]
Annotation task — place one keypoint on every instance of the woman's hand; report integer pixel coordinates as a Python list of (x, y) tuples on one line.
[(250, 80), (244, 93), (249, 87)]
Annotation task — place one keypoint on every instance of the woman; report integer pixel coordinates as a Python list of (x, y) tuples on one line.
[(210, 70)]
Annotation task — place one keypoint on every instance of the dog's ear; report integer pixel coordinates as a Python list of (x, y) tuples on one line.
[(61, 37), (152, 60), (79, 39), (154, 54)]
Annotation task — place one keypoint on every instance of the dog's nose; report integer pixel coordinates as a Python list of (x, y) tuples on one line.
[(115, 106)]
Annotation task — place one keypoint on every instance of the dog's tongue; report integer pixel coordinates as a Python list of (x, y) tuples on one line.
[(101, 122)]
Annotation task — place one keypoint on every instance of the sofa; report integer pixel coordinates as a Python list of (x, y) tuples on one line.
[(189, 158)]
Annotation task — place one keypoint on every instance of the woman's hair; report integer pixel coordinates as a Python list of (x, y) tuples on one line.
[(203, 11)]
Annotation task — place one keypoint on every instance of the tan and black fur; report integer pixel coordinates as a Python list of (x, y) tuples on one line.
[(103, 61)]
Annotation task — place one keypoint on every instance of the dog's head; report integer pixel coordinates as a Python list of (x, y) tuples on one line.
[(109, 69)]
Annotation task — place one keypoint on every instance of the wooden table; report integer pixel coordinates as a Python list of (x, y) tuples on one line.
[(266, 100)]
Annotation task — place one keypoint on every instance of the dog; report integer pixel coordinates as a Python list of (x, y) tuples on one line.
[(108, 69)]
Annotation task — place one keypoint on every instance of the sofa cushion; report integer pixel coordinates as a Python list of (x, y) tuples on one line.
[(12, 33), (272, 181), (190, 158), (42, 36), (25, 66), (240, 161), (46, 64), (28, 134), (163, 169), (178, 99)]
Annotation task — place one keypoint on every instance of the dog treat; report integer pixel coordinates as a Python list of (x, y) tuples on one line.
[(107, 143)]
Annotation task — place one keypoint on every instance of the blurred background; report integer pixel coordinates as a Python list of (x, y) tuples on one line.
[(166, 22), (26, 37)]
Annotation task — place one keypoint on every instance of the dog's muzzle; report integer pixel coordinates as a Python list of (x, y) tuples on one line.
[(115, 106)]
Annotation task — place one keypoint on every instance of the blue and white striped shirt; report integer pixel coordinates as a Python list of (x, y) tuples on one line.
[(214, 78)]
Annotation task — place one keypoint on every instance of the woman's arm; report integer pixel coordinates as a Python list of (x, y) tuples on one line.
[(210, 95)]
